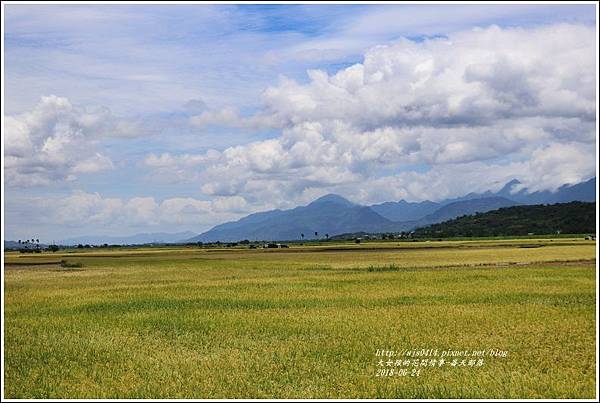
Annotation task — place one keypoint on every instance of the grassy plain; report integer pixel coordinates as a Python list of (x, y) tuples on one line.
[(303, 322)]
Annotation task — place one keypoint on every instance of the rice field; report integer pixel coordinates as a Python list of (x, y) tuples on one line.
[(516, 317)]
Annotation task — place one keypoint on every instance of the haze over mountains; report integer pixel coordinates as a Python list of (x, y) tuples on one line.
[(332, 214), (142, 238)]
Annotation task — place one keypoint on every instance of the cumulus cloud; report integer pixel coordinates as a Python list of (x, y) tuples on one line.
[(232, 118), (220, 117), (167, 167), (80, 209), (58, 141), (473, 77), (508, 102)]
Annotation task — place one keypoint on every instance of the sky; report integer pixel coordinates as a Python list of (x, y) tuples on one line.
[(121, 119)]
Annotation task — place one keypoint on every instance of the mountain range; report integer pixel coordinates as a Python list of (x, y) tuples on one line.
[(332, 214), (137, 239)]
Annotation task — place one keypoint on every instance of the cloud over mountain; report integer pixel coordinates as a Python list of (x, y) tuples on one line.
[(513, 102)]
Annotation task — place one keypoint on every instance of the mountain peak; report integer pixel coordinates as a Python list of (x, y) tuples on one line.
[(506, 189), (332, 198)]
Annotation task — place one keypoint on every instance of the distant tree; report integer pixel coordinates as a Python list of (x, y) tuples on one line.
[(53, 248), (302, 235), (327, 236), (357, 240), (80, 246), (19, 242), (316, 234), (244, 242), (200, 244)]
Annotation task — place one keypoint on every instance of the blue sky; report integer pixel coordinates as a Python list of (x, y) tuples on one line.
[(142, 118)]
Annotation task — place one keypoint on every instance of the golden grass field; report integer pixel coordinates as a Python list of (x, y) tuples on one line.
[(303, 322)]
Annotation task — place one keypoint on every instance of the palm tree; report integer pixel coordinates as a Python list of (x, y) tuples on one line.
[(316, 234), (327, 236), (302, 235)]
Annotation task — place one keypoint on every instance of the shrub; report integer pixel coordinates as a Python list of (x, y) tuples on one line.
[(390, 267), (64, 263)]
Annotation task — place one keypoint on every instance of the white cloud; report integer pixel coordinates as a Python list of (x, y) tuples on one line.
[(81, 209), (183, 168), (221, 117), (548, 168), (58, 141), (186, 160), (96, 163), (478, 76), (501, 99)]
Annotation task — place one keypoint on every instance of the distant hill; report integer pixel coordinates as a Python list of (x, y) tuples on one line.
[(405, 211), (137, 239), (466, 207), (12, 245), (573, 218), (584, 191), (456, 209), (17, 245), (329, 214)]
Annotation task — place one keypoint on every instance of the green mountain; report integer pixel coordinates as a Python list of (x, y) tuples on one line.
[(566, 218)]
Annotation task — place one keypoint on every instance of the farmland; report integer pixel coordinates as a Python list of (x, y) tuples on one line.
[(303, 322)]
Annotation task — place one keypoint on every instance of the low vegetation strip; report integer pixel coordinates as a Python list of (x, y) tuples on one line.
[(30, 263)]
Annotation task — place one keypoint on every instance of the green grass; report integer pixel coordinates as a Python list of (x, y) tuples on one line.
[(303, 322)]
